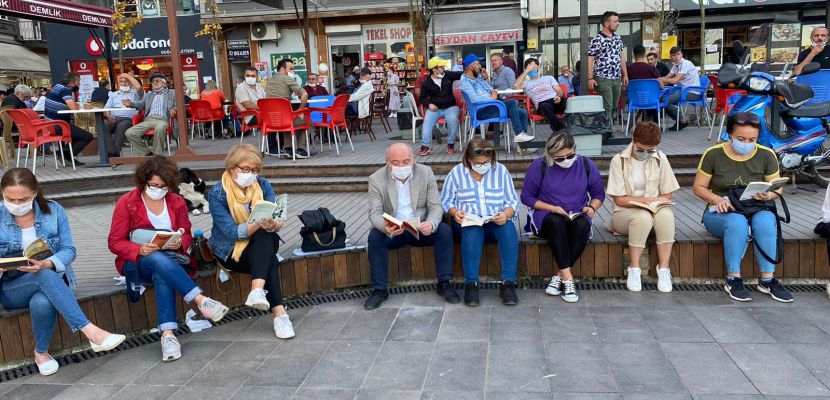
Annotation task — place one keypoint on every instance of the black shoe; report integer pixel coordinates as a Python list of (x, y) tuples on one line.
[(446, 291), (737, 290), (78, 163), (507, 292), (678, 128), (776, 290), (374, 301), (471, 294)]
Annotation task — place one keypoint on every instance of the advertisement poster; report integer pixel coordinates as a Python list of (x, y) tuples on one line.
[(262, 71), (299, 63), (190, 73), (88, 70), (759, 54), (670, 42)]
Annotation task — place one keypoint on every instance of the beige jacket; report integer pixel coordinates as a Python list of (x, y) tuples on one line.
[(383, 196), (659, 175)]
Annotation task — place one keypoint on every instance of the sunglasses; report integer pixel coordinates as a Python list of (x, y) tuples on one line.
[(747, 118), (650, 152), (487, 151), (564, 158)]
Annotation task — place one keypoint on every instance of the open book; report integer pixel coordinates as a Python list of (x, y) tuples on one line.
[(411, 225), (573, 216), (163, 239), (266, 209), (475, 220), (37, 250), (654, 206), (760, 187)]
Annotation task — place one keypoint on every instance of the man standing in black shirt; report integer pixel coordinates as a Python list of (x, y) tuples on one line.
[(819, 51)]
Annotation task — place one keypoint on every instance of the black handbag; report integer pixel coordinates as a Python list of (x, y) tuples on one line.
[(404, 120), (321, 231), (752, 206)]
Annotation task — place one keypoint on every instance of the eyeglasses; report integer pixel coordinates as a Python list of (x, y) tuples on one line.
[(154, 186), (487, 151), (248, 170), (564, 158), (747, 118)]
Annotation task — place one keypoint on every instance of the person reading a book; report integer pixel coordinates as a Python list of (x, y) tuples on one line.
[(479, 196), (732, 164), (249, 246), (405, 209), (641, 182), (153, 208), (563, 191), (46, 283)]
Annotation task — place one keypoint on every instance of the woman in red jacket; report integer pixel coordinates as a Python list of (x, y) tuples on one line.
[(149, 207), (216, 98)]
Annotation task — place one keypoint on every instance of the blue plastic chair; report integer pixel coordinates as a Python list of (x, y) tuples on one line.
[(475, 122), (317, 116), (701, 102), (643, 94), (820, 82)]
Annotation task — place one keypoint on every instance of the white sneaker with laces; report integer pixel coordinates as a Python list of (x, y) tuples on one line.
[(283, 327), (664, 280), (49, 367), (523, 137), (569, 291), (171, 349), (257, 300), (634, 283), (212, 309), (555, 286)]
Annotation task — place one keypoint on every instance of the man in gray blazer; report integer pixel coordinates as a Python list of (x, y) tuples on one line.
[(406, 191), (158, 106)]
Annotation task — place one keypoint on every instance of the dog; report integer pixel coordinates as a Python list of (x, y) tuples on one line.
[(193, 189)]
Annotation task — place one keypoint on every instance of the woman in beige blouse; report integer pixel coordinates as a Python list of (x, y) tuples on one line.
[(642, 174)]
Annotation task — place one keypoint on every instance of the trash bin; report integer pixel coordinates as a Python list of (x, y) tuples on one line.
[(588, 122)]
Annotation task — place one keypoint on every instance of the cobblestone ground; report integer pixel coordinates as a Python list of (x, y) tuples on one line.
[(610, 345)]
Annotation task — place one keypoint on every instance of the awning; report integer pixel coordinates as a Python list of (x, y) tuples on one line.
[(20, 60), (476, 27), (60, 11)]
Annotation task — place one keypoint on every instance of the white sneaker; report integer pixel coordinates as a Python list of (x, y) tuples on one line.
[(664, 280), (283, 327), (634, 283), (523, 137), (257, 300), (48, 368), (212, 309), (569, 291), (171, 349), (555, 286)]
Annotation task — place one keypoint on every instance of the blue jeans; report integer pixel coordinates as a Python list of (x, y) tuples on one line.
[(472, 241), (431, 118), (167, 278), (380, 244), (518, 116), (733, 228), (43, 292)]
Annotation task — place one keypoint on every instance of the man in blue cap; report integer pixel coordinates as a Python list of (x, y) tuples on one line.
[(478, 90)]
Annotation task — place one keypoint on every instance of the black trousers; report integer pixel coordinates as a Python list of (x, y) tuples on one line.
[(115, 134), (567, 239), (260, 260), (80, 138), (549, 109)]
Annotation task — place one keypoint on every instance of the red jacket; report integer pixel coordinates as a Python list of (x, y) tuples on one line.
[(130, 214)]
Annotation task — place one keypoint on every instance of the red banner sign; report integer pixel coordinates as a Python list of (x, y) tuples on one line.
[(452, 39), (189, 62), (58, 10), (374, 56)]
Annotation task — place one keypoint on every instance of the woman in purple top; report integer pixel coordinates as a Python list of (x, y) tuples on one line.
[(563, 191)]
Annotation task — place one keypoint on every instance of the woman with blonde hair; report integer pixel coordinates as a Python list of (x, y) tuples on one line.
[(249, 247)]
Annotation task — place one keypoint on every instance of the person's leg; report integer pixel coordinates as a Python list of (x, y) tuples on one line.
[(430, 118), (80, 138), (378, 248), (441, 239), (671, 109), (553, 229), (637, 224), (515, 116), (604, 89), (765, 235), (119, 135), (135, 135), (546, 108), (173, 274), (109, 135), (664, 230), (452, 116), (579, 232), (616, 92), (44, 320), (733, 228), (508, 241), (159, 127), (472, 240)]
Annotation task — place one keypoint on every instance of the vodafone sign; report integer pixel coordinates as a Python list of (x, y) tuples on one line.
[(94, 46), (452, 39)]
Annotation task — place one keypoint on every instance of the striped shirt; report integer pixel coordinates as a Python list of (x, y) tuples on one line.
[(157, 107), (492, 195), (56, 101)]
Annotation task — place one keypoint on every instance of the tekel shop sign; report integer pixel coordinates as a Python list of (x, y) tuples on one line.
[(453, 39), (387, 33), (58, 10)]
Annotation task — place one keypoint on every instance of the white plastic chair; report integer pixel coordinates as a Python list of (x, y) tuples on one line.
[(416, 113)]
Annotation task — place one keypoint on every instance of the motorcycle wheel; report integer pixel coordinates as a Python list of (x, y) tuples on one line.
[(821, 176)]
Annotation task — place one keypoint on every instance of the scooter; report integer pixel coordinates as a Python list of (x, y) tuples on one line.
[(801, 145)]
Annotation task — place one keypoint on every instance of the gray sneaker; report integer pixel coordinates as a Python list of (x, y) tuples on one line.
[(171, 350), (212, 309)]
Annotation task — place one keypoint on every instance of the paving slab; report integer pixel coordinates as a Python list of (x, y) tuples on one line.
[(788, 377)]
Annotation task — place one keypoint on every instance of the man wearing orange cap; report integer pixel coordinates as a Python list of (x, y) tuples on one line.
[(439, 102)]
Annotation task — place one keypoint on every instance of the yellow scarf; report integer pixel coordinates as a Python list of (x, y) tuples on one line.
[(238, 198)]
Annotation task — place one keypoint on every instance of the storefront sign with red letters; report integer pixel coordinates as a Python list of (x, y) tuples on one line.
[(454, 39)]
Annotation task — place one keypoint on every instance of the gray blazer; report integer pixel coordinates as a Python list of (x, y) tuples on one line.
[(383, 196), (147, 101)]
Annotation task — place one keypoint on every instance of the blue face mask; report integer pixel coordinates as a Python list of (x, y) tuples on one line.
[(533, 74), (742, 148)]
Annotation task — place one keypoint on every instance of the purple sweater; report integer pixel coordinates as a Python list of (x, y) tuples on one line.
[(566, 188)]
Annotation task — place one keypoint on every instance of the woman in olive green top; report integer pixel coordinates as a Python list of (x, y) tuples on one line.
[(737, 163)]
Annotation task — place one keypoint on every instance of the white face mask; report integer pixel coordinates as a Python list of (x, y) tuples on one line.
[(155, 193), (481, 169), (402, 173), (441, 76), (566, 164), (250, 80), (311, 84), (125, 88), (292, 75), (19, 210), (245, 179)]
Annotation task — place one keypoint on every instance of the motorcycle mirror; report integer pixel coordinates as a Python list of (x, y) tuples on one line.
[(810, 68)]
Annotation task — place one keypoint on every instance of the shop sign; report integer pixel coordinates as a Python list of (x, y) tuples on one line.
[(58, 10), (190, 74), (387, 33), (453, 39), (298, 59), (239, 50), (695, 4), (374, 56)]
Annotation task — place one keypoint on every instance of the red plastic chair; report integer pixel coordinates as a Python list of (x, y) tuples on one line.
[(278, 116), (334, 118), (240, 116), (565, 90), (37, 132), (138, 118), (722, 106), (462, 116), (200, 111)]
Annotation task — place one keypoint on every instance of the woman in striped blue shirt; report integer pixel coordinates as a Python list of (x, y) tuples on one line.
[(480, 197)]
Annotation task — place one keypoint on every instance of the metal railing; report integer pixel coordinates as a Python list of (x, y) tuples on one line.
[(30, 30)]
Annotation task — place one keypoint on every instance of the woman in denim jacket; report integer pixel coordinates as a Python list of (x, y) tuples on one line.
[(245, 247), (42, 286)]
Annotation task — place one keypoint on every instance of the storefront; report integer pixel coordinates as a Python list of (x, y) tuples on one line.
[(459, 33), (74, 48)]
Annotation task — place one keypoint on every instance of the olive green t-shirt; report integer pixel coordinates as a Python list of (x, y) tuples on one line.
[(727, 172)]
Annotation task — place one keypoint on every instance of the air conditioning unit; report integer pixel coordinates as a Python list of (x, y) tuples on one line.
[(265, 31)]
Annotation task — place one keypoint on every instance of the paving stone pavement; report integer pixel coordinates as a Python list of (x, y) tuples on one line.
[(610, 345)]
